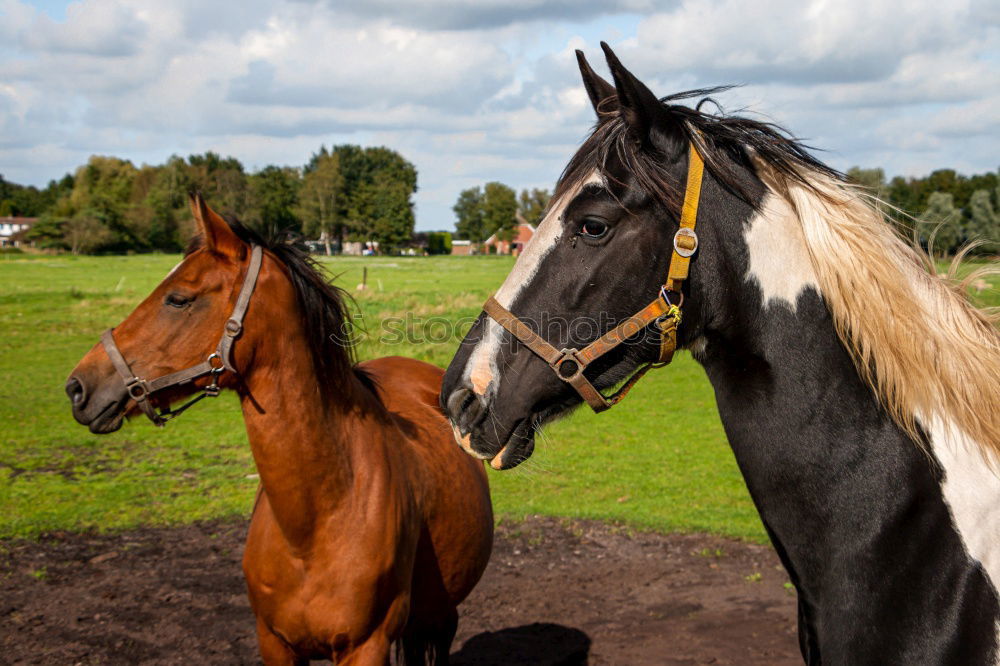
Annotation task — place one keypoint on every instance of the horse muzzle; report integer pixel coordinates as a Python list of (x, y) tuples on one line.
[(100, 407), (479, 432)]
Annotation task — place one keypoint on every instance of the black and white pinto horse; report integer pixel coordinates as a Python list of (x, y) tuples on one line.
[(859, 391)]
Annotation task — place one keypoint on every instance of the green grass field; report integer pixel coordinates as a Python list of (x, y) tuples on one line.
[(659, 460)]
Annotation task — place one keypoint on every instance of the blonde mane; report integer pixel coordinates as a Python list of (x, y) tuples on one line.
[(917, 341)]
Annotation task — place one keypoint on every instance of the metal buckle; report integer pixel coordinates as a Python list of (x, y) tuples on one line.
[(233, 327), (685, 242), (213, 389), (561, 369), (134, 383)]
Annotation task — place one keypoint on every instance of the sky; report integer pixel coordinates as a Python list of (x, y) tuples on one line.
[(477, 90)]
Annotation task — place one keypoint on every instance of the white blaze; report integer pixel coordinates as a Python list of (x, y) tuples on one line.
[(482, 365)]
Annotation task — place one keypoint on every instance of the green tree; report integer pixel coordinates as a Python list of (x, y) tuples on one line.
[(872, 179), (320, 198), (984, 222), (48, 233), (98, 204), (274, 199), (942, 230), (164, 202), (21, 200), (221, 180), (87, 235), (499, 210), (382, 211), (532, 204), (438, 242), (469, 223), (378, 184)]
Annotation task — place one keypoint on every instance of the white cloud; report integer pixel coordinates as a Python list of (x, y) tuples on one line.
[(92, 28), (476, 90)]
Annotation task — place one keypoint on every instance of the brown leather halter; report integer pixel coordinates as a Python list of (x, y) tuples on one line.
[(219, 361), (569, 364)]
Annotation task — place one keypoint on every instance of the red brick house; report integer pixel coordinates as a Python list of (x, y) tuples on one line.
[(522, 234)]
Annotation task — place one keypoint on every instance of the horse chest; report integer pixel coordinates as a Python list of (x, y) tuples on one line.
[(330, 598), (322, 610)]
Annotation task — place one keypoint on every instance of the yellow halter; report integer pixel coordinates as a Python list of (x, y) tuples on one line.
[(569, 364)]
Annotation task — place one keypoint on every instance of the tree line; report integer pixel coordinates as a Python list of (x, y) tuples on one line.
[(950, 209), (109, 205), (348, 192)]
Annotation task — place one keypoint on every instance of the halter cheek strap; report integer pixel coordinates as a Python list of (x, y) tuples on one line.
[(569, 364), (219, 361)]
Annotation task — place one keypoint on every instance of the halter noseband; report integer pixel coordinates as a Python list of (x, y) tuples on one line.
[(219, 361), (569, 364)]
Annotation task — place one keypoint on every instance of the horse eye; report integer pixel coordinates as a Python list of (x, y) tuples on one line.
[(177, 300), (594, 228)]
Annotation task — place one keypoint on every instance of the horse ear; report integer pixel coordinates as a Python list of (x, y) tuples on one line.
[(647, 119), (219, 237), (601, 93)]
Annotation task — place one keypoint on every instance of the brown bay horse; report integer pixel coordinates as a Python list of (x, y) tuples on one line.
[(370, 525)]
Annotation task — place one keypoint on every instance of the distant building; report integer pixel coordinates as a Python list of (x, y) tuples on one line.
[(12, 228), (360, 248), (462, 247), (522, 234)]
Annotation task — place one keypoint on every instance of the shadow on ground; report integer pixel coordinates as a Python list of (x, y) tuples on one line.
[(554, 593), (539, 644)]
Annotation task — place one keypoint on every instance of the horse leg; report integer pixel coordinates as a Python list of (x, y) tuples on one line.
[(444, 636), (414, 648), (421, 642), (273, 650)]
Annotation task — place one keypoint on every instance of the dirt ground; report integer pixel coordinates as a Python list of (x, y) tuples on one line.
[(556, 592)]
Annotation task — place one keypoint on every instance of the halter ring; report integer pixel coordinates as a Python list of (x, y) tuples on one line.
[(666, 299), (143, 390), (568, 356), (216, 369)]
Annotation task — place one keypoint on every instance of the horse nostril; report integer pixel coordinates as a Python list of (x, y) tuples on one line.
[(465, 409), (457, 402), (77, 394)]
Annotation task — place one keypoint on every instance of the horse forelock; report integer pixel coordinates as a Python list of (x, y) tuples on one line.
[(728, 144)]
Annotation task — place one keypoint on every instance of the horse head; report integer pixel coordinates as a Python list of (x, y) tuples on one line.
[(601, 255), (177, 327)]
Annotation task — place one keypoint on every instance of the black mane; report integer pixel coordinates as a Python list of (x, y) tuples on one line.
[(326, 316), (726, 143)]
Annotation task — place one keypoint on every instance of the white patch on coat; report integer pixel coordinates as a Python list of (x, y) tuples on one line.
[(482, 365), (697, 347), (779, 259), (971, 490)]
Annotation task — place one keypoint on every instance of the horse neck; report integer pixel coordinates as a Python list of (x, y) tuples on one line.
[(306, 446), (835, 479)]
